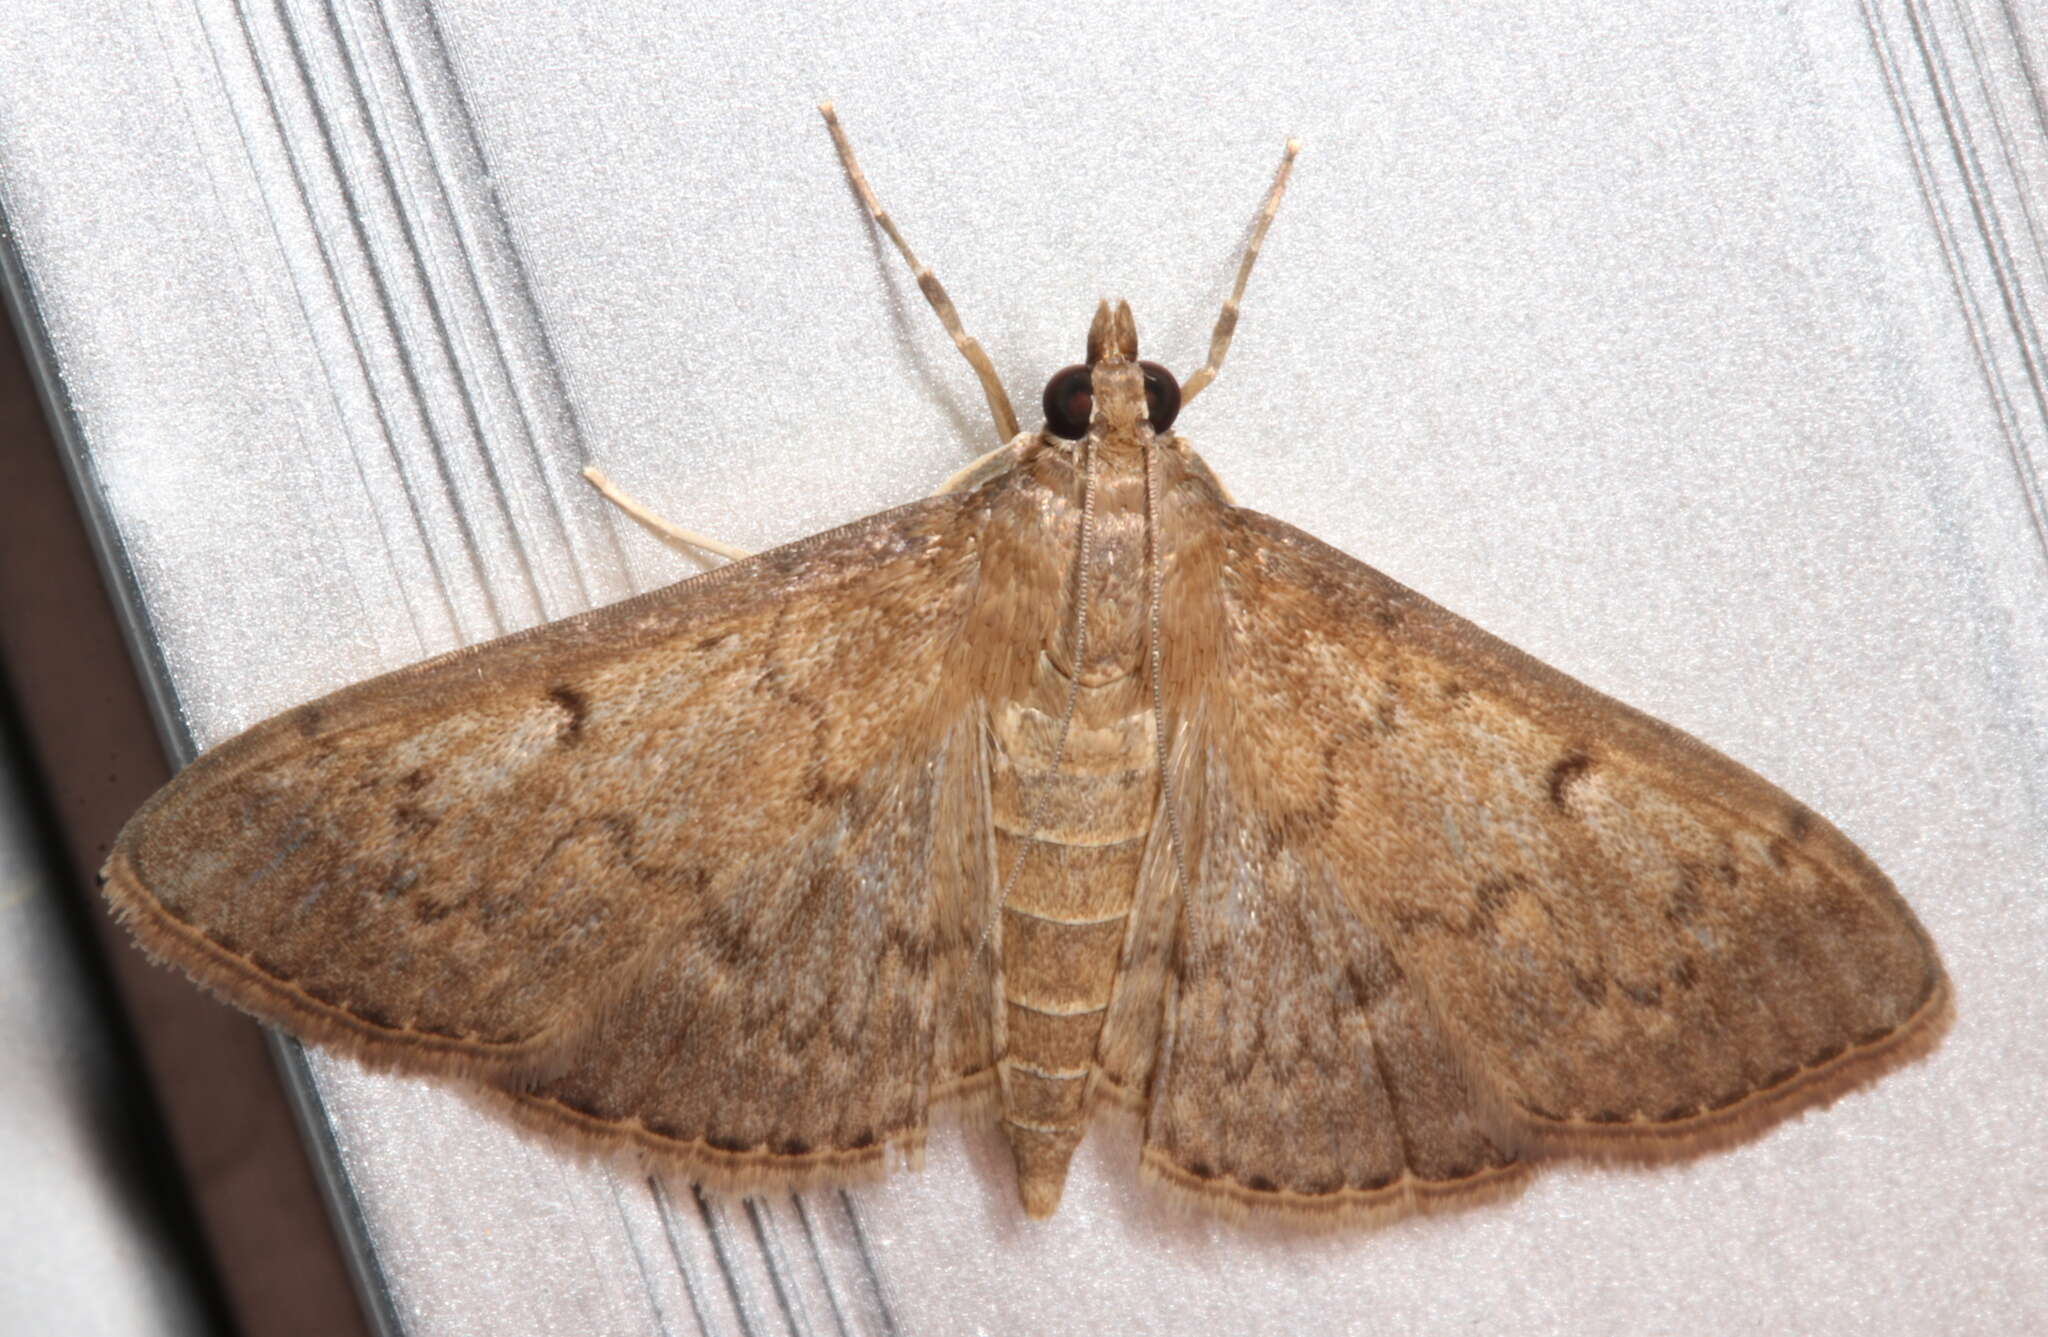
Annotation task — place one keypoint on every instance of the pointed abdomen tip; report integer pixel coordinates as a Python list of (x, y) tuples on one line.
[(1042, 1155)]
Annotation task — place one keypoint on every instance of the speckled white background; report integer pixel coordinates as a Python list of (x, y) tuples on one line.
[(1622, 331)]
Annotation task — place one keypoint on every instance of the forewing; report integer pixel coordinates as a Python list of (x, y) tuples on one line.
[(1284, 1058), (675, 872), (1623, 941)]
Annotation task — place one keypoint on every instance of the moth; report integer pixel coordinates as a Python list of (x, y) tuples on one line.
[(1075, 785)]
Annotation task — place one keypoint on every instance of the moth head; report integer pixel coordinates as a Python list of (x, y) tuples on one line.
[(1112, 391)]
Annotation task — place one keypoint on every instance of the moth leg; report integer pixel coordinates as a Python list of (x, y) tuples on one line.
[(973, 475), (1226, 323), (928, 283), (673, 533)]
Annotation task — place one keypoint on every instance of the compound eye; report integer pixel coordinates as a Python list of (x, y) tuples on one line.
[(1162, 395), (1070, 398)]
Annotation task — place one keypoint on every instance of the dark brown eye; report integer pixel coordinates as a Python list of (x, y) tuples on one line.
[(1162, 395), (1070, 398)]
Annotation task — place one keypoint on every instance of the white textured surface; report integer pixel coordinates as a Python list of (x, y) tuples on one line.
[(1620, 330)]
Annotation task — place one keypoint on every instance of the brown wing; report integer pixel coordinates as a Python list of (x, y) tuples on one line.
[(1451, 908), (1297, 1069), (685, 873)]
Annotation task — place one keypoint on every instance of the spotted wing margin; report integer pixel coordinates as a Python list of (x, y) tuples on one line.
[(1452, 910), (678, 874)]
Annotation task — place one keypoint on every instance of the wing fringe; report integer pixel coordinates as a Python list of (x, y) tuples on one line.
[(1649, 1139)]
